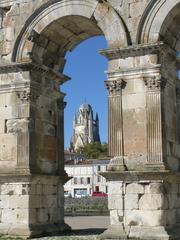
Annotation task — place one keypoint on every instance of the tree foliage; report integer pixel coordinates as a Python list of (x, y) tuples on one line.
[(94, 150)]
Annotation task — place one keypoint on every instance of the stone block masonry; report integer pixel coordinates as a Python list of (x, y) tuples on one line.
[(138, 206), (28, 202)]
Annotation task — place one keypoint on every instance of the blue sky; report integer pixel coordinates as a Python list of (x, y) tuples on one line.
[(86, 68)]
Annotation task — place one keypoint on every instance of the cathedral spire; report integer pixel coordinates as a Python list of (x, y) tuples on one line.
[(85, 127), (97, 118)]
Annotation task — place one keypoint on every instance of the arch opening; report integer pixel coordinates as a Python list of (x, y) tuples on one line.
[(50, 48), (77, 20), (87, 70)]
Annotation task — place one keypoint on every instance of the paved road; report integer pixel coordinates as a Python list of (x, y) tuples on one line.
[(88, 222), (83, 228)]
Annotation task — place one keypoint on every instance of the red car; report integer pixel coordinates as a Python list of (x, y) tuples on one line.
[(99, 194)]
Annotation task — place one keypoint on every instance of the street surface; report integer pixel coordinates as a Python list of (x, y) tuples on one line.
[(88, 222), (83, 228)]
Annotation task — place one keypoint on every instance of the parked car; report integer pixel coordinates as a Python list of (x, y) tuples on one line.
[(99, 194), (80, 195)]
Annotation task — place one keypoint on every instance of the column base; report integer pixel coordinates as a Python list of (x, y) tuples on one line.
[(114, 232), (117, 164), (24, 171), (155, 167), (36, 230), (118, 232)]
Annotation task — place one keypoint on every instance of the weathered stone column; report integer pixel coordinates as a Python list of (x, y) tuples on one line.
[(26, 148), (115, 126), (155, 132), (60, 120)]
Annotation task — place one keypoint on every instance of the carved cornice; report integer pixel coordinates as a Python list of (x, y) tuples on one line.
[(135, 72), (132, 51), (15, 67), (115, 86), (24, 96), (155, 82), (29, 66)]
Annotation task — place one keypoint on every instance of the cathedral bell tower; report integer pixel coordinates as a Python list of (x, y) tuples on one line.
[(85, 128)]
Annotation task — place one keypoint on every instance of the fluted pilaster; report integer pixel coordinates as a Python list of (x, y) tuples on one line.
[(115, 117), (154, 97)]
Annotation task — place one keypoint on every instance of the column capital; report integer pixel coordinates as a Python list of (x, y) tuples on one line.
[(155, 82), (28, 96), (115, 86)]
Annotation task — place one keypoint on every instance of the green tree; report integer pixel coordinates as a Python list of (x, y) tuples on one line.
[(94, 150)]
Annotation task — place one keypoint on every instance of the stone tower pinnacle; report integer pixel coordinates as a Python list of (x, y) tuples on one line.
[(85, 128)]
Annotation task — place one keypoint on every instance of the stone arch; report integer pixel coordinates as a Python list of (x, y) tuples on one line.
[(155, 21), (102, 17)]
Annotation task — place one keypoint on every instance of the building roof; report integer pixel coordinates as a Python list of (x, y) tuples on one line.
[(80, 162), (87, 162)]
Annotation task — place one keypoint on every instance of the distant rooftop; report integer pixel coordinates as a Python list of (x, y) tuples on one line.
[(87, 162)]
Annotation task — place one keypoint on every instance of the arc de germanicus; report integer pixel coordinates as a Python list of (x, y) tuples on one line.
[(144, 113)]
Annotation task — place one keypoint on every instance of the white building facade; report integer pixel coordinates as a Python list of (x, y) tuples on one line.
[(85, 178)]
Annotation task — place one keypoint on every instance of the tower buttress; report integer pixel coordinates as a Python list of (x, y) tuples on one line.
[(96, 134), (90, 127)]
